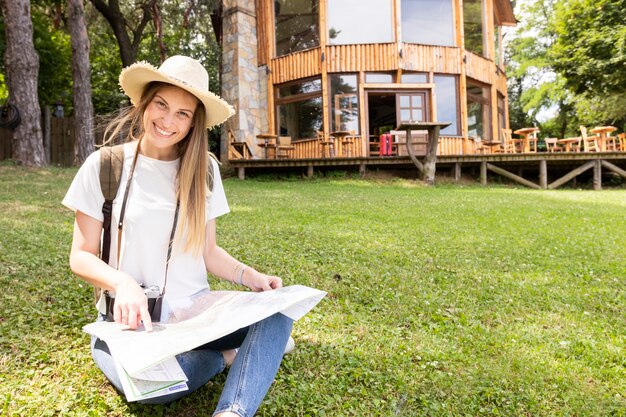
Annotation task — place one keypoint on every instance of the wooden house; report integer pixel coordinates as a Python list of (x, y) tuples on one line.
[(304, 69)]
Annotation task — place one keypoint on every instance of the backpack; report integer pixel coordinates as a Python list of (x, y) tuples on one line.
[(111, 165)]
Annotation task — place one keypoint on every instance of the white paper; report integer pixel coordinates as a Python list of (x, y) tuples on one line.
[(212, 315), (162, 379)]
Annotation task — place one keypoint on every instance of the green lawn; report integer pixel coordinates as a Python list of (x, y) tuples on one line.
[(443, 301)]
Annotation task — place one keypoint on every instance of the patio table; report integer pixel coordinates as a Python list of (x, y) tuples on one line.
[(527, 134), (341, 136), (568, 142), (427, 169), (603, 135), (265, 143)]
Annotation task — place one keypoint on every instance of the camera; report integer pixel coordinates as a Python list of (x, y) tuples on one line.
[(155, 302)]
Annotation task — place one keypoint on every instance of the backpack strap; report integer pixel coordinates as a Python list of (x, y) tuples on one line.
[(111, 164)]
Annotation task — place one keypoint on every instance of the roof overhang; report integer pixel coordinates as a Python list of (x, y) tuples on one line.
[(504, 13)]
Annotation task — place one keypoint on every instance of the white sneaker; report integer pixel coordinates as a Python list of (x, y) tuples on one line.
[(290, 345)]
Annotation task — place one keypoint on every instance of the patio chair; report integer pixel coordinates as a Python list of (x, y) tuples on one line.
[(621, 142), (284, 147), (479, 148), (552, 145), (590, 143), (509, 145), (236, 149), (612, 143), (327, 143)]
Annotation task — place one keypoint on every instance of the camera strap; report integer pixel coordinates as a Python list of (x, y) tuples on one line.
[(120, 223)]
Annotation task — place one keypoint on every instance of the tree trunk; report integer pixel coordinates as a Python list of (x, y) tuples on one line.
[(113, 14), (83, 108), (22, 68)]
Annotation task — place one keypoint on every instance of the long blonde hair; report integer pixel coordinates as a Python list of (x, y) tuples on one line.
[(193, 177)]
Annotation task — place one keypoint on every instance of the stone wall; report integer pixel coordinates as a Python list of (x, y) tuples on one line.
[(244, 84)]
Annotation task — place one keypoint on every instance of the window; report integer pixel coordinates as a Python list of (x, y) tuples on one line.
[(297, 25), (473, 24), (428, 22), (447, 102), (345, 102), (359, 21), (478, 110), (412, 107), (414, 78), (378, 77), (299, 109)]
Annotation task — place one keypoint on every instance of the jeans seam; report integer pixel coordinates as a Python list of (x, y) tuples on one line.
[(241, 377)]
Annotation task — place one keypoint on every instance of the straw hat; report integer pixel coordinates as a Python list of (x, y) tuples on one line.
[(183, 72)]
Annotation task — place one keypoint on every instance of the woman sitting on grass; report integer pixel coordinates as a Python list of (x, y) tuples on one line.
[(164, 192)]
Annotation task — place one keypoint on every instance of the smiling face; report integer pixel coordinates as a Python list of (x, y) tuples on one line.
[(167, 120)]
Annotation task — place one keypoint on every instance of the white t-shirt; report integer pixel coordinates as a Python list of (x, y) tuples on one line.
[(148, 221)]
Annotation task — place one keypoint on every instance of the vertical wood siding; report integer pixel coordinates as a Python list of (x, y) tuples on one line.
[(425, 58), (363, 57), (298, 65)]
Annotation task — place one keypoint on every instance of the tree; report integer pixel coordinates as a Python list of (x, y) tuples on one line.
[(83, 108), (590, 52), (22, 67), (568, 59), (128, 42)]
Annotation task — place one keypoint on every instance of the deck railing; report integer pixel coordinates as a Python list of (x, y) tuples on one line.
[(448, 146)]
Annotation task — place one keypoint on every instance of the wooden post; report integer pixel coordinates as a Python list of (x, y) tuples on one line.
[(457, 171), (483, 173), (46, 133), (362, 169), (241, 173), (597, 175), (543, 174), (613, 168), (309, 171)]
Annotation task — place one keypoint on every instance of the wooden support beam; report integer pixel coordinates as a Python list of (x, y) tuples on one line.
[(309, 171), (483, 173), (613, 168), (597, 175), (241, 173), (457, 171), (512, 176), (543, 174), (572, 174), (362, 170)]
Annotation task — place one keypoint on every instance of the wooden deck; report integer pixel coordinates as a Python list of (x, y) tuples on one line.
[(541, 170)]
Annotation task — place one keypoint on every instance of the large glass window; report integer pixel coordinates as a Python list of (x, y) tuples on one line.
[(478, 111), (428, 22), (447, 102), (297, 25), (359, 21), (345, 102), (299, 109), (473, 26)]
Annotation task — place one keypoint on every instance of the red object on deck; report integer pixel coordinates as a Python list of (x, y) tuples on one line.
[(385, 144)]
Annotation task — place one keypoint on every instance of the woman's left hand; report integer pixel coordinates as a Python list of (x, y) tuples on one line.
[(257, 281)]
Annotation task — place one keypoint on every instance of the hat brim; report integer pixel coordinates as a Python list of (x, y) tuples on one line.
[(133, 80)]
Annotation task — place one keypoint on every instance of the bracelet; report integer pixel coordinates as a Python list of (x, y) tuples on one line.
[(235, 272), (240, 276)]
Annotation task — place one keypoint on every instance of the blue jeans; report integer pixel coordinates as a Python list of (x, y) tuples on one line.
[(261, 348)]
